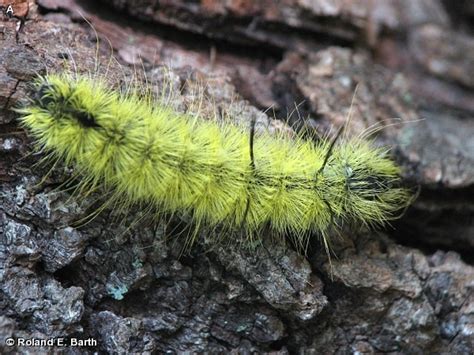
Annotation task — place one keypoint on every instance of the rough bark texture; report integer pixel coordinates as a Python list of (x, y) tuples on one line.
[(403, 290)]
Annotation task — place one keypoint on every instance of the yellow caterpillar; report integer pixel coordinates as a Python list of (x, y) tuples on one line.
[(221, 174)]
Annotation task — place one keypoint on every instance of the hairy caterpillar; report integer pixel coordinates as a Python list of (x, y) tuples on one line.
[(221, 174)]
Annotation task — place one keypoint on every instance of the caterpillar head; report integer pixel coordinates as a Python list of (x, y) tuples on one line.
[(368, 184)]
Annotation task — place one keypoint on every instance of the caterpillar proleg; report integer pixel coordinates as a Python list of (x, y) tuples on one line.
[(221, 174)]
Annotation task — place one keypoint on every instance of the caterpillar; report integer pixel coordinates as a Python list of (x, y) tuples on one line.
[(220, 174)]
